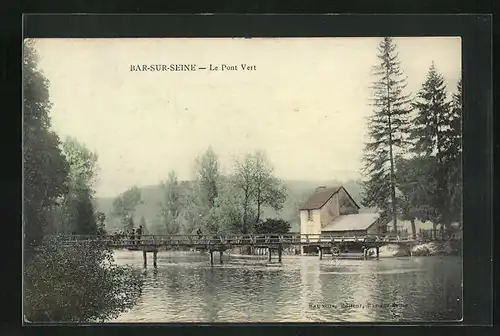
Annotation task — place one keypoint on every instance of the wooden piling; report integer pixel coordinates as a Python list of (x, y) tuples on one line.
[(320, 251), (280, 251), (145, 258), (220, 256), (211, 257), (268, 254), (155, 256), (377, 249)]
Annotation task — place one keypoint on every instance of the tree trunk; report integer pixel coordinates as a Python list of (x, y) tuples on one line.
[(391, 158), (413, 228)]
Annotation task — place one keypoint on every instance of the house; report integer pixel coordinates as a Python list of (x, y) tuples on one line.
[(333, 211)]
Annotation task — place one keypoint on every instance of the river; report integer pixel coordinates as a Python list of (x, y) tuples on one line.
[(185, 288)]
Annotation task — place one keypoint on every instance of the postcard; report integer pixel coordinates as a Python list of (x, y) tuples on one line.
[(207, 180)]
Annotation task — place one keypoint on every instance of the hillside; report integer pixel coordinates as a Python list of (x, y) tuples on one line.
[(298, 191)]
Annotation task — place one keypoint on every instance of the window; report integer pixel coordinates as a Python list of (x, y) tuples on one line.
[(309, 215)]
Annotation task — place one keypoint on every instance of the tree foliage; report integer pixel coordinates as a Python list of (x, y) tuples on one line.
[(78, 283), (388, 128), (258, 187), (207, 177), (435, 136), (77, 208), (45, 169), (125, 204), (171, 206), (272, 225)]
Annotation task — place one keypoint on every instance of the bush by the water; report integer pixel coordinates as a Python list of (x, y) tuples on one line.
[(78, 283), (436, 248), (389, 250)]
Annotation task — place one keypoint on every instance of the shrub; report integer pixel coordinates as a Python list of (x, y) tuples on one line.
[(271, 225), (77, 282)]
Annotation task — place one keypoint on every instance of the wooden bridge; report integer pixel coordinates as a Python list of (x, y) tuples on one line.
[(220, 243)]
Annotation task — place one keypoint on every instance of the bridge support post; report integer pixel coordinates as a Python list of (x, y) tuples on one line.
[(280, 251), (211, 257), (320, 252), (155, 256), (220, 256), (365, 252), (377, 249), (268, 254), (145, 258)]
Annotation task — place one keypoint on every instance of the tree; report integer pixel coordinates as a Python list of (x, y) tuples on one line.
[(207, 176), (430, 131), (227, 214), (45, 169), (78, 283), (268, 190), (271, 225), (85, 220), (387, 128), (244, 180), (125, 204), (77, 207), (195, 210), (415, 190), (453, 149), (172, 204), (259, 188)]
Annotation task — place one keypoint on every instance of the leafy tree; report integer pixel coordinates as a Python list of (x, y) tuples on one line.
[(77, 207), (78, 283), (388, 128), (125, 204), (431, 129), (227, 213), (172, 204), (86, 223), (268, 190), (208, 176), (271, 225), (195, 211), (45, 169), (244, 180), (259, 188)]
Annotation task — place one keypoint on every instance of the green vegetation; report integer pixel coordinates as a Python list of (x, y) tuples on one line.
[(413, 159), (68, 283), (271, 225), (78, 283), (388, 127)]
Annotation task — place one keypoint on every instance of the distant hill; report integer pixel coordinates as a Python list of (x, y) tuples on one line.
[(298, 191)]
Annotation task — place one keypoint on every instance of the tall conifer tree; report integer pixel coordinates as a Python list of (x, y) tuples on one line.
[(388, 128), (431, 133)]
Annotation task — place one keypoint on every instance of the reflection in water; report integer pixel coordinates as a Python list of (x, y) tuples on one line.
[(185, 288)]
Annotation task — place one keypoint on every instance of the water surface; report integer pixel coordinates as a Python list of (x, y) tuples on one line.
[(185, 288)]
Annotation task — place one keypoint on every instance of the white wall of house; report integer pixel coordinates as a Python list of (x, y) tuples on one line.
[(310, 223)]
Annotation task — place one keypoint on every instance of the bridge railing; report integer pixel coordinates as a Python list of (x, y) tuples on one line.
[(232, 239)]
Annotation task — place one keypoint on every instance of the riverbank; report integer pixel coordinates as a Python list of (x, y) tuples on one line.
[(435, 248)]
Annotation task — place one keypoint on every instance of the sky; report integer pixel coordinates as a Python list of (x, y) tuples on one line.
[(305, 104)]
